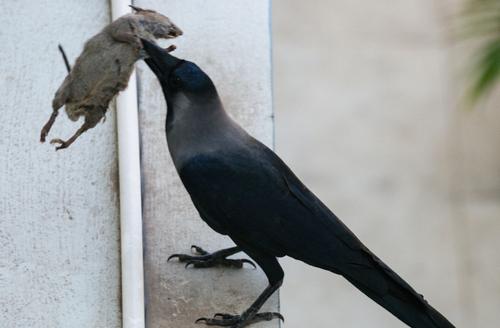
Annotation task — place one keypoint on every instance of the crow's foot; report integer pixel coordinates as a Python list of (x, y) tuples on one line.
[(204, 259), (239, 321)]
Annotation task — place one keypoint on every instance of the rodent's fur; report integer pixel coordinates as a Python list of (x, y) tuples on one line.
[(104, 68)]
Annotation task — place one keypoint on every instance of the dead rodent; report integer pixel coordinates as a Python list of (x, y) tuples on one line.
[(104, 68)]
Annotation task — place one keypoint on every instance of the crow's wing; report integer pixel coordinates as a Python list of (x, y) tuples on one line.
[(252, 196)]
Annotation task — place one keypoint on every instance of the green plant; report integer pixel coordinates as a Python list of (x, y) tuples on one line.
[(481, 22)]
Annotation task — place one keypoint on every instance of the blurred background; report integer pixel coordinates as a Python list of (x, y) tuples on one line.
[(371, 114), (378, 108)]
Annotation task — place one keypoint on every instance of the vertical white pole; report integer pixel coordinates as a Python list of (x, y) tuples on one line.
[(130, 197)]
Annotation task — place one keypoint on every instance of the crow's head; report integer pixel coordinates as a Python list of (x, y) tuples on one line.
[(177, 75)]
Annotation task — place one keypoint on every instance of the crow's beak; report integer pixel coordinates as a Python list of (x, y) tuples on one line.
[(160, 61)]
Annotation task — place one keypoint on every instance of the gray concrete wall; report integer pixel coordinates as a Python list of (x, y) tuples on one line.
[(59, 234), (368, 115)]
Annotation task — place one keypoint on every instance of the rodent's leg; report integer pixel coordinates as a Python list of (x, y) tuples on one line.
[(65, 144), (90, 122), (143, 54), (124, 31), (60, 99), (46, 128), (128, 37), (171, 48)]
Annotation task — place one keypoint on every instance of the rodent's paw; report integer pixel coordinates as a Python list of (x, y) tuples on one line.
[(171, 48), (137, 44)]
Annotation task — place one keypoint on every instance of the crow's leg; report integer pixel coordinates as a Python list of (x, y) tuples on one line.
[(275, 275), (204, 259), (248, 317)]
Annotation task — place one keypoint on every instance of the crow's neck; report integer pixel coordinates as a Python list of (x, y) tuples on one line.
[(182, 108), (199, 127)]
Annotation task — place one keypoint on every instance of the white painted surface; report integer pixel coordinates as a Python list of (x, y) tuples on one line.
[(130, 195), (59, 234), (230, 40)]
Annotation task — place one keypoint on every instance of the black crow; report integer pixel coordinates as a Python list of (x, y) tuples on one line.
[(242, 189)]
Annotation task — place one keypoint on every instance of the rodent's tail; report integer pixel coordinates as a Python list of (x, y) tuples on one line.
[(65, 58)]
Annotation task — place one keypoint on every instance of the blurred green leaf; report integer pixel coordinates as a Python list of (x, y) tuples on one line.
[(487, 70), (481, 22)]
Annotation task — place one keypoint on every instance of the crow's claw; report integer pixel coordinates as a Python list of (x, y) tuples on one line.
[(196, 264), (181, 257), (247, 261), (204, 259), (239, 321), (222, 315), (216, 261), (198, 250), (226, 320)]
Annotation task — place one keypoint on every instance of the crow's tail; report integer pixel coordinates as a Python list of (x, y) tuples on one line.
[(384, 286)]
